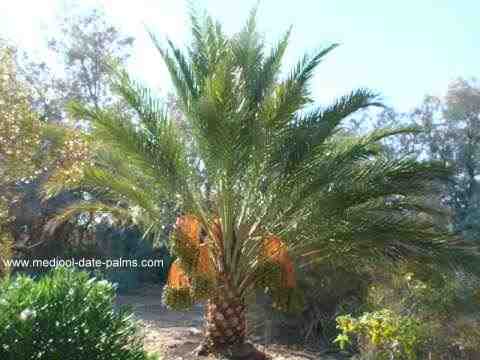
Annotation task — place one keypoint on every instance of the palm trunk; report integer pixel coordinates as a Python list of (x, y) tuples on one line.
[(225, 321), (226, 326)]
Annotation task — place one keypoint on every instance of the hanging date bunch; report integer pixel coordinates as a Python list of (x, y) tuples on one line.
[(186, 241), (276, 273), (203, 280), (191, 277), (177, 293)]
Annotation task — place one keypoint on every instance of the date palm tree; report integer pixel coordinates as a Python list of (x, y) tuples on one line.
[(265, 181)]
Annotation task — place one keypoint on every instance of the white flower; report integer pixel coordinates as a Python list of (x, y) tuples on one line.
[(27, 314)]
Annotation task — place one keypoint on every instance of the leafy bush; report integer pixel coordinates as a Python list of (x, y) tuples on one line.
[(65, 315), (444, 303), (383, 333), (413, 293)]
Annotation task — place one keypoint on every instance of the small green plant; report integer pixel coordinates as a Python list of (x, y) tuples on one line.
[(446, 303), (65, 315), (382, 333), (154, 356)]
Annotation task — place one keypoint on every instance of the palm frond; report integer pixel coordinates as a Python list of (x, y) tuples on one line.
[(160, 156), (181, 77), (117, 213)]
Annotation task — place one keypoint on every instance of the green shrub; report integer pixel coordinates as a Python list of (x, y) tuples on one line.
[(384, 334), (444, 303), (65, 315)]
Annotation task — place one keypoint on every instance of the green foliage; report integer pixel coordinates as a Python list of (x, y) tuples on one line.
[(20, 128), (384, 333), (65, 315), (30, 150), (21, 136), (445, 304), (154, 356), (418, 296), (20, 140)]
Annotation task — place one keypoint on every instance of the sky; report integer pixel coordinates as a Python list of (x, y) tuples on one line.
[(402, 49)]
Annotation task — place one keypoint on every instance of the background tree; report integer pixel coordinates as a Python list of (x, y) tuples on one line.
[(451, 135), (19, 143), (28, 147), (83, 49)]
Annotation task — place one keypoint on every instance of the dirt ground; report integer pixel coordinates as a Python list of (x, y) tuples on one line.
[(175, 335)]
